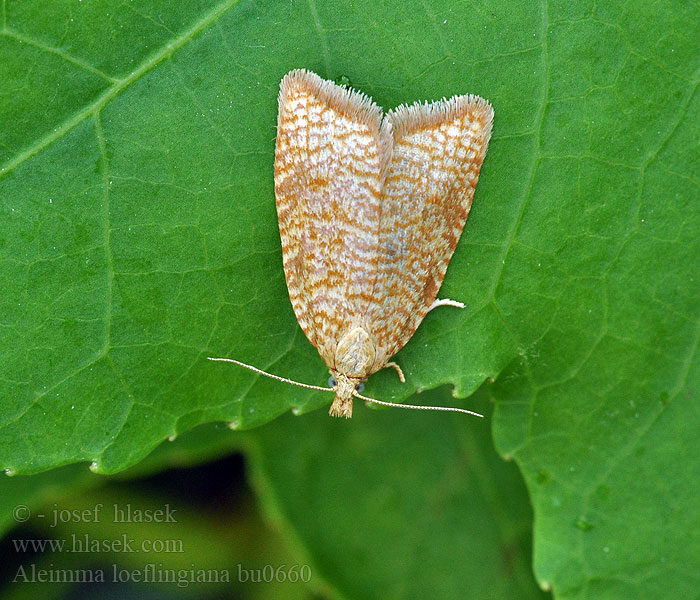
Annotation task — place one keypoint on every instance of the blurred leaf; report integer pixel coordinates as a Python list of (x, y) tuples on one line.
[(400, 504), (220, 532)]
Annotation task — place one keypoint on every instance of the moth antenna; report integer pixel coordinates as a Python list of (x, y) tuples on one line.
[(271, 376), (357, 395), (417, 406)]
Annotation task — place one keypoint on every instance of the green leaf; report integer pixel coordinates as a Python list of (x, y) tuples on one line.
[(399, 504), (138, 236)]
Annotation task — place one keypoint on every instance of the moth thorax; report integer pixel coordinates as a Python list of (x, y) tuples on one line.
[(355, 353)]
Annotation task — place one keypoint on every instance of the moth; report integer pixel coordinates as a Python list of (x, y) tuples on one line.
[(371, 207)]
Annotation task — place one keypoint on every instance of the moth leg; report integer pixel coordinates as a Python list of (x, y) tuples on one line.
[(445, 302), (393, 365)]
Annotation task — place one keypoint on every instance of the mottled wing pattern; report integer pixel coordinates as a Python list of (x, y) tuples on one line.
[(438, 150), (330, 159)]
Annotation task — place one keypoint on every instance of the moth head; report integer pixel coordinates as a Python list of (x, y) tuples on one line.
[(354, 358), (345, 388)]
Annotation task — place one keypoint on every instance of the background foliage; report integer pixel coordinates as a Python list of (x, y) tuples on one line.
[(138, 236)]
